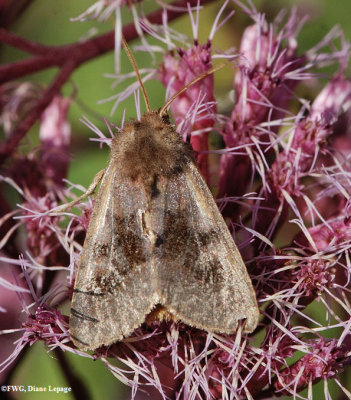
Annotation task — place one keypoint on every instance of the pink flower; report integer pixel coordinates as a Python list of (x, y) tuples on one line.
[(263, 87), (179, 70), (284, 188), (55, 137), (325, 359)]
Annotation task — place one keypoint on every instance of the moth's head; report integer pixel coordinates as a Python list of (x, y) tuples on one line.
[(152, 135), (155, 120), (149, 147)]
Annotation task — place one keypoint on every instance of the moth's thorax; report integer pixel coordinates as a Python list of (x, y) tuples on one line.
[(148, 148)]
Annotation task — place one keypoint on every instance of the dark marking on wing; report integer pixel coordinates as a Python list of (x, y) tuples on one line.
[(209, 274), (101, 249), (80, 341), (88, 292), (128, 238), (177, 170), (80, 315), (154, 190), (159, 241), (184, 242), (108, 281)]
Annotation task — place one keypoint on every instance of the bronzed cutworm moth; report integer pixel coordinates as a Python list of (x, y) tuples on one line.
[(156, 237)]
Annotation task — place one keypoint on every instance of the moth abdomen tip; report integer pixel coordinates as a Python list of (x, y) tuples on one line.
[(160, 313)]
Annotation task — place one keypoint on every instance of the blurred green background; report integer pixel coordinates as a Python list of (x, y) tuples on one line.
[(48, 22)]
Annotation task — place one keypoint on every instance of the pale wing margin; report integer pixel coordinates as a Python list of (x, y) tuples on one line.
[(114, 287), (201, 276)]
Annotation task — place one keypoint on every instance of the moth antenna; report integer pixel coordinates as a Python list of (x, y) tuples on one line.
[(136, 69), (163, 110)]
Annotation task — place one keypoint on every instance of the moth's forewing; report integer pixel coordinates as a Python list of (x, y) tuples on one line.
[(201, 276), (115, 283)]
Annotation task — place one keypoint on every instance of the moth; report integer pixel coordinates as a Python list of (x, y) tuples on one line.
[(156, 240)]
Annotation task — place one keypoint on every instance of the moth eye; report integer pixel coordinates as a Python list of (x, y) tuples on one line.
[(137, 125), (165, 119)]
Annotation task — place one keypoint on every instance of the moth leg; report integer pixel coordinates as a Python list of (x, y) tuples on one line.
[(97, 179)]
